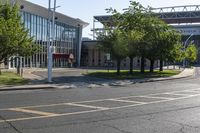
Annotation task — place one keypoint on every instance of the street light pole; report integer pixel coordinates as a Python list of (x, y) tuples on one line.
[(49, 55), (49, 44), (184, 61), (53, 23)]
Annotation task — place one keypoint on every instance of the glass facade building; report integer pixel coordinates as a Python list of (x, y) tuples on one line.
[(67, 37)]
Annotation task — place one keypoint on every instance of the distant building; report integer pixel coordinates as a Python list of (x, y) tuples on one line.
[(68, 34), (184, 19), (93, 56)]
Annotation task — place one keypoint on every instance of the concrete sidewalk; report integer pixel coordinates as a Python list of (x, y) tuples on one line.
[(187, 72), (39, 82)]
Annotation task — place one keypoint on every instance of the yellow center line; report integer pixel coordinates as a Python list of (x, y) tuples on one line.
[(32, 111)]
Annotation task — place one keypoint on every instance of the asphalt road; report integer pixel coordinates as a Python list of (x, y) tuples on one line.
[(154, 107)]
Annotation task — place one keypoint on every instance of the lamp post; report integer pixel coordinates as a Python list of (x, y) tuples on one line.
[(49, 44), (185, 43), (49, 55), (53, 24)]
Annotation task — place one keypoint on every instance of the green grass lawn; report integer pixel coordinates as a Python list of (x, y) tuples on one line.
[(136, 74), (10, 78)]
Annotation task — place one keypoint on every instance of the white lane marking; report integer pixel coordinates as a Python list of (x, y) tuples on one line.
[(157, 97), (98, 100), (90, 111), (161, 101), (177, 94), (32, 111), (127, 101), (48, 105), (56, 115), (192, 91), (187, 92), (36, 106), (86, 106)]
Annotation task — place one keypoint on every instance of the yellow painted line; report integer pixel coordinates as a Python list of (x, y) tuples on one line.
[(44, 105), (32, 111), (49, 105), (50, 116), (90, 111), (35, 106)]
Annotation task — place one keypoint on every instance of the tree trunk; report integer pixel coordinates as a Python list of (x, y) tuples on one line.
[(131, 65), (174, 65), (161, 65), (18, 69), (142, 64), (0, 71), (168, 65), (151, 65), (118, 66)]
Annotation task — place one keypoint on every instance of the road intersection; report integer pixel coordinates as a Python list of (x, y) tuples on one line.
[(97, 105), (170, 106)]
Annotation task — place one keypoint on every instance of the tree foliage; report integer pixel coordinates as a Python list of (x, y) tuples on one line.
[(14, 37), (146, 36), (191, 53), (114, 43)]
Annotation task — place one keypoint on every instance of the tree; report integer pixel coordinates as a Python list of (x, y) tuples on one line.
[(167, 49), (191, 53), (114, 43), (177, 54), (133, 39), (147, 36), (160, 39), (129, 22), (151, 26), (14, 37)]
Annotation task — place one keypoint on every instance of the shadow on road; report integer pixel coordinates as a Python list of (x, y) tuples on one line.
[(71, 77)]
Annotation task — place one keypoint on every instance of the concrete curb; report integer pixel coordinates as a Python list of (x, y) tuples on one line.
[(155, 80), (152, 80), (54, 86), (11, 88), (169, 78)]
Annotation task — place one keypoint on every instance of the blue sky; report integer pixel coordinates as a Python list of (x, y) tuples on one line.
[(86, 9)]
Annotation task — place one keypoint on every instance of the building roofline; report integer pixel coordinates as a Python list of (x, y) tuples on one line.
[(43, 11)]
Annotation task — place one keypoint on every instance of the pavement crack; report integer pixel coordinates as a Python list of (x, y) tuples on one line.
[(10, 124), (183, 126), (116, 128)]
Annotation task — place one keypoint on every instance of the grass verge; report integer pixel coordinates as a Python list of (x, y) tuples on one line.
[(10, 78), (136, 74)]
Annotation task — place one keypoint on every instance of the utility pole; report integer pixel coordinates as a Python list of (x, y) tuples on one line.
[(53, 24), (50, 44), (49, 55)]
